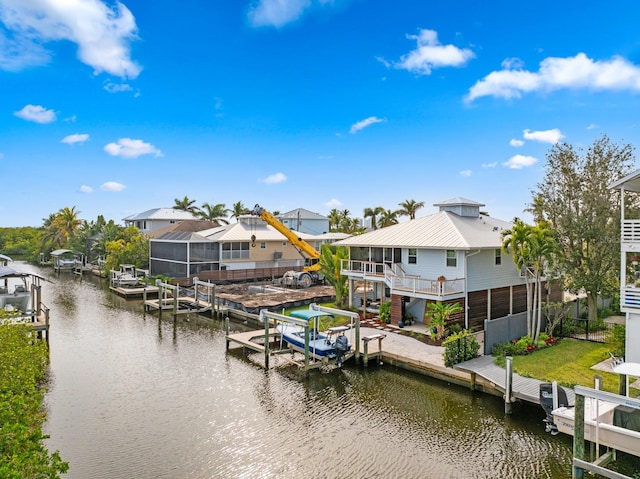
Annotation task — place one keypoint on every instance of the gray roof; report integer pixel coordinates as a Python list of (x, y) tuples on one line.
[(442, 230), (186, 236), (161, 214), (302, 214)]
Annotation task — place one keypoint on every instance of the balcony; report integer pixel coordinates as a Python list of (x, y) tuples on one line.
[(401, 283)]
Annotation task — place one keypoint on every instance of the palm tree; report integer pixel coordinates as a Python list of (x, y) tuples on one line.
[(185, 204), (388, 218), (217, 213), (61, 227), (440, 313), (238, 209), (533, 248), (334, 219), (409, 208), (373, 213)]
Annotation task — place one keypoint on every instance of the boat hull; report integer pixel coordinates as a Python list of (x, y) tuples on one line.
[(604, 431)]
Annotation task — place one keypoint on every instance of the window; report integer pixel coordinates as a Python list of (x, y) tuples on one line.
[(498, 257), (285, 243), (235, 250), (452, 258), (263, 245), (413, 256)]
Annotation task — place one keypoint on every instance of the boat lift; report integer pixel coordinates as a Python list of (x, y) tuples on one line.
[(270, 320)]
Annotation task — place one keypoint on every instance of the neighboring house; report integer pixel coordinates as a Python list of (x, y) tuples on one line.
[(630, 267), (152, 220), (305, 221), (247, 244), (453, 255)]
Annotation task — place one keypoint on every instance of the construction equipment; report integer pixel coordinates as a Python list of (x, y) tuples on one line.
[(310, 273)]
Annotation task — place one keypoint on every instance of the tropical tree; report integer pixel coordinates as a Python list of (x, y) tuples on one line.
[(330, 266), (334, 219), (515, 241), (238, 209), (533, 249), (439, 313), (60, 228), (132, 247), (574, 197), (217, 213), (409, 208), (388, 218), (373, 214), (185, 204)]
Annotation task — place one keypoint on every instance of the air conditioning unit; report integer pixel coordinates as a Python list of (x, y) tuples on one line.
[(277, 255)]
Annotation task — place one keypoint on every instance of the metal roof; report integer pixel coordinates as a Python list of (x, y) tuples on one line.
[(302, 214), (441, 230), (161, 214)]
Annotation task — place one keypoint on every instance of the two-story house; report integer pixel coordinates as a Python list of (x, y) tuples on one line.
[(157, 218), (630, 265), (454, 255), (305, 221)]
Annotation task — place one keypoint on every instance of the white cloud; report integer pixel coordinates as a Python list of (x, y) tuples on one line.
[(546, 136), (592, 126), (71, 119), (117, 87), (579, 72), (465, 173), (512, 64), (86, 189), (75, 138), (276, 13), (102, 33), (275, 178), (362, 124), (333, 203), (518, 162), (490, 165), (36, 113), (430, 54), (516, 143), (129, 148), (112, 186)]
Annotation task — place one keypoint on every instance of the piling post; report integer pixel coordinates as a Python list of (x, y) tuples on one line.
[(175, 305), (366, 352), (357, 341), (266, 342), (160, 296), (226, 330), (38, 300), (578, 436), (508, 385), (306, 350)]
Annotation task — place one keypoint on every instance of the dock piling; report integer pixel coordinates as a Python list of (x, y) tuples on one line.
[(508, 405)]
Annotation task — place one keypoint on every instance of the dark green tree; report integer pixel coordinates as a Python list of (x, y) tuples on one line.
[(409, 208), (574, 197), (330, 266)]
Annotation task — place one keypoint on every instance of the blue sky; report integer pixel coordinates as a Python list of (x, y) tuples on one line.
[(119, 107)]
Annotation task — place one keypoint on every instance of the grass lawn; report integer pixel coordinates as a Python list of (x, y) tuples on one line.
[(569, 362)]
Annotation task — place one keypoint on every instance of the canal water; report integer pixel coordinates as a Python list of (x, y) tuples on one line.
[(135, 396)]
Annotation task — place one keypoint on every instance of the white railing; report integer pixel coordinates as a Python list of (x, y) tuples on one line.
[(631, 298), (631, 231), (400, 282)]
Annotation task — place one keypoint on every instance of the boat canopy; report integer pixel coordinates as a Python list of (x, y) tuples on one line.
[(60, 252), (308, 314), (4, 257), (9, 272)]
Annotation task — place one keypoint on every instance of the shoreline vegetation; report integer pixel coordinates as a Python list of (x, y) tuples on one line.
[(23, 373)]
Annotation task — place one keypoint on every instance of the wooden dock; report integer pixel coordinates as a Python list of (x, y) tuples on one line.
[(523, 389), (136, 291), (249, 339)]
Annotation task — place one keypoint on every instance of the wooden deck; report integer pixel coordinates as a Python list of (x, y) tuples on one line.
[(524, 389), (135, 292), (248, 338)]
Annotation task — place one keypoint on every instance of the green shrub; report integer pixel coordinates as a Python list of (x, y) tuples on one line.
[(23, 364), (460, 347), (384, 313)]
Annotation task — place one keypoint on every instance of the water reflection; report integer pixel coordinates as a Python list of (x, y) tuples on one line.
[(135, 396)]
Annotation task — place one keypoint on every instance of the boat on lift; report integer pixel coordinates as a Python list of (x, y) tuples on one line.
[(331, 343), (16, 287)]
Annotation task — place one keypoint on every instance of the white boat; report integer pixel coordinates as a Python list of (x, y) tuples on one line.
[(15, 289), (127, 277), (611, 425), (609, 419)]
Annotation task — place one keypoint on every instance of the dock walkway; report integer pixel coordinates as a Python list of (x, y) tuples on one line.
[(524, 389)]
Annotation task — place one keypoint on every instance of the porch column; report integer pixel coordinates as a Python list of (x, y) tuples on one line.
[(489, 303)]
